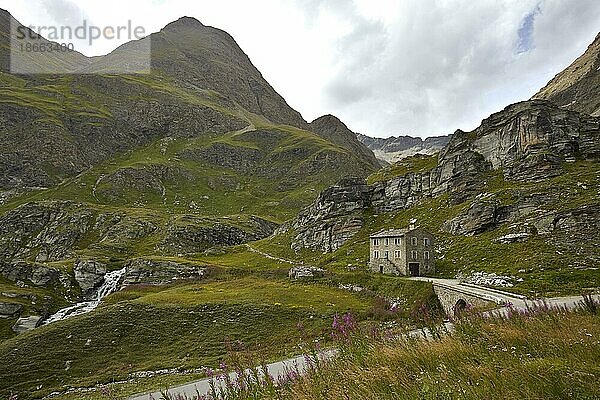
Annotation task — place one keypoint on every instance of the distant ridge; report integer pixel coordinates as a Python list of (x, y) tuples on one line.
[(395, 148)]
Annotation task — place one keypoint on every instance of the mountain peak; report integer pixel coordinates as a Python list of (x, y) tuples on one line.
[(330, 120), (333, 129), (184, 22)]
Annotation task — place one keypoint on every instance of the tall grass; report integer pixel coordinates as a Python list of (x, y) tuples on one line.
[(539, 353)]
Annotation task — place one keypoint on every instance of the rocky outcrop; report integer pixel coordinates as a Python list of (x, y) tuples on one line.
[(36, 274), (401, 192), (26, 324), (43, 231), (10, 310), (52, 231), (480, 217), (89, 274), (190, 234), (334, 217), (159, 272), (487, 212), (528, 141)]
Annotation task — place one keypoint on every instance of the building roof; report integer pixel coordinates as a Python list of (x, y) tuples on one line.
[(391, 233)]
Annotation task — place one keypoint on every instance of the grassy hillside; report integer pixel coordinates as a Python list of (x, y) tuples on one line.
[(247, 300), (548, 265)]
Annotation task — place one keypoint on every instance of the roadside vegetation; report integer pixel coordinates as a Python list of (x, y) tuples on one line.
[(539, 353)]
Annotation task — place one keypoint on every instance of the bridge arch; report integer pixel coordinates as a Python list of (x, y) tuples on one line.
[(455, 301), (460, 307)]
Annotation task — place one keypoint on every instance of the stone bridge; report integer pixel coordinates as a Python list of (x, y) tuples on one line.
[(455, 296)]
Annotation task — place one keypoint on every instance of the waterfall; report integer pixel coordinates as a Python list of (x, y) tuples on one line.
[(111, 282)]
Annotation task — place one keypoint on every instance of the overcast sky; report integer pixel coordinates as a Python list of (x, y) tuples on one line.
[(384, 67)]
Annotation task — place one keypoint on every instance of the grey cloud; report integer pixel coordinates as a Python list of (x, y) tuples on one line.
[(448, 65), (64, 12)]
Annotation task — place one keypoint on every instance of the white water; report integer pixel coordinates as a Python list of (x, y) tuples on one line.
[(111, 280)]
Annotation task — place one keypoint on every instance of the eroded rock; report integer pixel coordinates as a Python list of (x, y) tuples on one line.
[(89, 274), (10, 310), (159, 272), (25, 324)]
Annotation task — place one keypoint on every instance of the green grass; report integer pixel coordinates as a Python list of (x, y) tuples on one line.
[(187, 326), (160, 176), (415, 164)]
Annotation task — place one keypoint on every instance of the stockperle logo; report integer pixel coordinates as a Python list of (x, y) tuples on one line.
[(52, 49)]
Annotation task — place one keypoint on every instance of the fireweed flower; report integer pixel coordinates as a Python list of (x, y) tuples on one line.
[(342, 326)]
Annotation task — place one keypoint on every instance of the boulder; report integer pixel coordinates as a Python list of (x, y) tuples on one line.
[(305, 272), (89, 274), (26, 324), (480, 217), (10, 310)]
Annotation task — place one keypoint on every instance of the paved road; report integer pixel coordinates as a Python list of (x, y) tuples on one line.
[(276, 370)]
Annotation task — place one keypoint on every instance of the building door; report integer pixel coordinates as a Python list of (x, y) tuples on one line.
[(381, 269), (413, 269)]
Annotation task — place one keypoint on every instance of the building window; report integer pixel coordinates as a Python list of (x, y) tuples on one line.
[(397, 254), (375, 254), (387, 241), (386, 255), (397, 241), (414, 255), (426, 241), (413, 241), (426, 255), (375, 242)]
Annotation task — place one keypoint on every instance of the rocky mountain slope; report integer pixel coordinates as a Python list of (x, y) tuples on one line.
[(394, 149), (334, 130), (578, 86), (526, 142), (148, 171), (528, 173), (55, 127)]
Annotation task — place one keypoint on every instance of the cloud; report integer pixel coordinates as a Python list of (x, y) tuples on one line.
[(435, 67), (63, 12)]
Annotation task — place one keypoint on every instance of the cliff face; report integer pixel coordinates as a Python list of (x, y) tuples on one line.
[(529, 141)]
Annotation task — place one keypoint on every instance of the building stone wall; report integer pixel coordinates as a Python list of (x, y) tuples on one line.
[(401, 265)]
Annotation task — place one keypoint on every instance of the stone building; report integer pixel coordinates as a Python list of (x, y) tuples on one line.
[(406, 251)]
